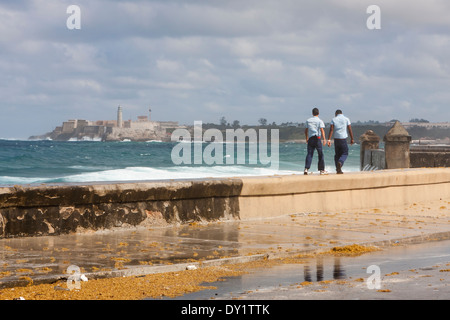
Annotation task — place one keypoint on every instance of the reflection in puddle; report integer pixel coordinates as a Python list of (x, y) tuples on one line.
[(326, 268), (320, 268), (338, 271)]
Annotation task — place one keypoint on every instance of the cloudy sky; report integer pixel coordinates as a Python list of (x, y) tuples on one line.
[(203, 59)]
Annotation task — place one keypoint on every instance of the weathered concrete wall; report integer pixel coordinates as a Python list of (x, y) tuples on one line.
[(265, 197), (57, 209), (374, 159), (429, 156), (398, 153), (368, 141), (396, 146)]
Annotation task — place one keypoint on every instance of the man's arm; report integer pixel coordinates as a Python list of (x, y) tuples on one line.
[(323, 136), (352, 141), (330, 134), (306, 134)]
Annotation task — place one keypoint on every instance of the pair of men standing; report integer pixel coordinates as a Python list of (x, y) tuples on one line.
[(315, 138)]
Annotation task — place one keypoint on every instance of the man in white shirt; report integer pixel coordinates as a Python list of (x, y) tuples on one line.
[(315, 137), (339, 125)]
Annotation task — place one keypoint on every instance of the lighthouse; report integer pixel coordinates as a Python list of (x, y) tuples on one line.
[(119, 117)]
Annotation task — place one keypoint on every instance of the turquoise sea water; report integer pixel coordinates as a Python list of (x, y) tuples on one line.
[(29, 162)]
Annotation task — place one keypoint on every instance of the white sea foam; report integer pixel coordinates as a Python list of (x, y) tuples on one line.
[(6, 180), (90, 168), (145, 173)]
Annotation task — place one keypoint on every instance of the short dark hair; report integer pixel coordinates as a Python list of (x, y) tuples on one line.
[(338, 111), (315, 112)]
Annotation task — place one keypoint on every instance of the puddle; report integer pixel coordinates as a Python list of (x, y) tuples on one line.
[(323, 268)]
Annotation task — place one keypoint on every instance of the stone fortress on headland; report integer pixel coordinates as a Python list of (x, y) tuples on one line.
[(144, 129)]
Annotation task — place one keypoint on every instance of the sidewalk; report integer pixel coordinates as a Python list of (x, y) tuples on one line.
[(145, 250)]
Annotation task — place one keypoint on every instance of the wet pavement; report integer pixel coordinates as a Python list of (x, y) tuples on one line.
[(411, 272), (144, 250)]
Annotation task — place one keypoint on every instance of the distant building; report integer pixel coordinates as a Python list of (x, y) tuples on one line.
[(113, 130), (426, 124), (69, 126), (119, 117)]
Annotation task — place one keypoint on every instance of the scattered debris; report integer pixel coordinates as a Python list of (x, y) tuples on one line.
[(354, 249), (61, 288)]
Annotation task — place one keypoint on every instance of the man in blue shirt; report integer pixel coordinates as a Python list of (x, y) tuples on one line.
[(339, 125), (315, 137)]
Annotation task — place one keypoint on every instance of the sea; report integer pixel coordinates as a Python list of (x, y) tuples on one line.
[(24, 162)]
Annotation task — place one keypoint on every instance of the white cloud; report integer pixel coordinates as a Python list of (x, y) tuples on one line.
[(168, 65), (315, 75), (270, 100), (174, 85), (263, 66), (242, 47), (215, 107), (239, 58)]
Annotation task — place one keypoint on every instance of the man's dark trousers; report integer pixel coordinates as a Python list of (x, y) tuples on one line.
[(340, 151), (314, 143)]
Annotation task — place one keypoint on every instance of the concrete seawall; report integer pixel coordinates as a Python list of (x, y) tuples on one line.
[(430, 156), (57, 209)]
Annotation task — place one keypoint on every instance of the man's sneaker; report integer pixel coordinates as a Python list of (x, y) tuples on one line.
[(305, 172), (339, 168), (323, 172)]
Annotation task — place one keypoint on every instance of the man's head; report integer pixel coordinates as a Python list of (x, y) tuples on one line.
[(315, 112), (338, 112)]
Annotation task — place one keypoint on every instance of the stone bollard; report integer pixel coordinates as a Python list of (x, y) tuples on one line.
[(397, 141), (369, 140)]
